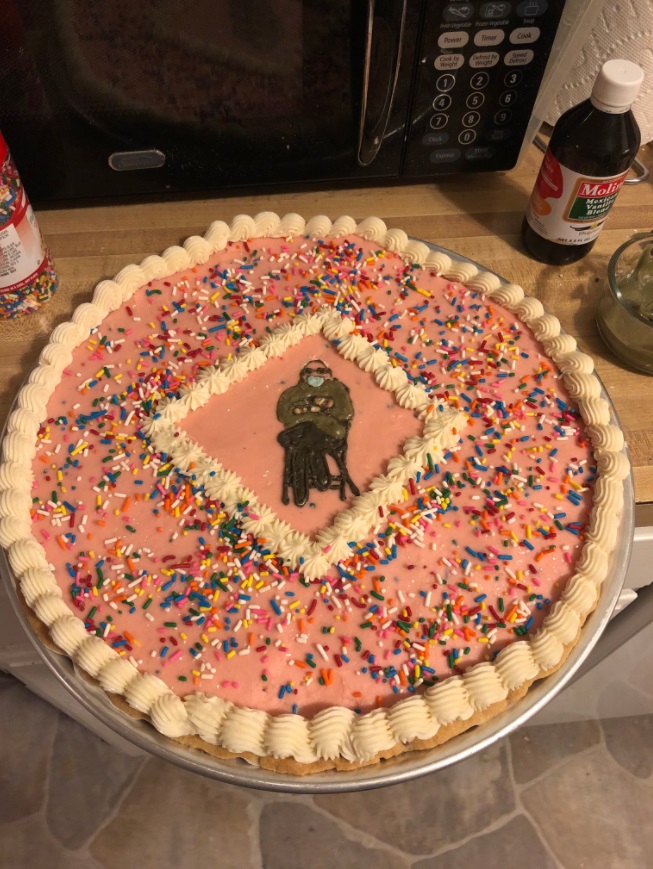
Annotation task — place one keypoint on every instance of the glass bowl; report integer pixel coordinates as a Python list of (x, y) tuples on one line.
[(625, 315)]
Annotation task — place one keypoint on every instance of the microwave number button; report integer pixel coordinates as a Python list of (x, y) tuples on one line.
[(486, 38), (479, 80), (471, 119), (467, 137), (475, 100), (439, 121), (507, 98), (484, 59), (453, 39), (519, 57), (445, 82), (502, 118), (449, 61), (442, 102), (524, 35), (513, 78)]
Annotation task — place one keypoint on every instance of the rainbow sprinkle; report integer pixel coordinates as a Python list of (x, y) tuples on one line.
[(459, 566)]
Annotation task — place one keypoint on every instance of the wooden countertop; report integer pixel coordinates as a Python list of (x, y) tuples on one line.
[(478, 216)]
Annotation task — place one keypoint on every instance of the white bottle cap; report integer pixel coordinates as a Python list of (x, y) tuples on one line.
[(616, 86)]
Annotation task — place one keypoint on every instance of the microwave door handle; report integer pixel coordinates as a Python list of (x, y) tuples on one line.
[(387, 17)]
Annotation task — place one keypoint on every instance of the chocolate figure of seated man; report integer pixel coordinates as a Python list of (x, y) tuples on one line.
[(316, 414)]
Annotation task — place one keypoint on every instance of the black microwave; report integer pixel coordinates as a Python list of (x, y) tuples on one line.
[(138, 98)]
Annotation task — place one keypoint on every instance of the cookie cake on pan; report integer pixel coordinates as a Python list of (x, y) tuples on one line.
[(311, 494)]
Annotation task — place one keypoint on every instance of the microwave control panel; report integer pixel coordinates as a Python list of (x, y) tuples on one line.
[(480, 68)]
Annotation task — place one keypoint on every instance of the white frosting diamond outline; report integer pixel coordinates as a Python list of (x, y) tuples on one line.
[(312, 558)]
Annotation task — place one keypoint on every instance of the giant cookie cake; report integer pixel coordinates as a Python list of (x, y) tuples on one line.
[(311, 494)]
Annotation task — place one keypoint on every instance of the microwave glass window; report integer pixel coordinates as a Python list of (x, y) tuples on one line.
[(265, 82), (205, 67), (197, 95)]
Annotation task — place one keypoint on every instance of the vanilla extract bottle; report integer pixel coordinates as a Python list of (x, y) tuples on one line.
[(591, 150)]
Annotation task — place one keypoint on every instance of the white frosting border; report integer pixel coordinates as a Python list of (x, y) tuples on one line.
[(336, 733), (308, 557)]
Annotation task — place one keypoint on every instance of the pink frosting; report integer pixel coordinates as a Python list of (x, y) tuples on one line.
[(379, 429), (242, 624)]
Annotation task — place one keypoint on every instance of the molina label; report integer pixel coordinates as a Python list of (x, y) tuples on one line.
[(567, 207), (592, 198)]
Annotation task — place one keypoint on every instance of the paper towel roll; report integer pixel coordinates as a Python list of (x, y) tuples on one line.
[(624, 29)]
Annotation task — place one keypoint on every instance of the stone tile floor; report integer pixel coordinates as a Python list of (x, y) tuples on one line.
[(560, 795)]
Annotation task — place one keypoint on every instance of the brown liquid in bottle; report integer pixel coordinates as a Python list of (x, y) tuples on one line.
[(593, 143)]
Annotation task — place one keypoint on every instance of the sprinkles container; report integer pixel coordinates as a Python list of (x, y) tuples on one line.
[(27, 275)]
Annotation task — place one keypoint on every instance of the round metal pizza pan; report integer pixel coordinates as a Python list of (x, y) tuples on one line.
[(402, 768)]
